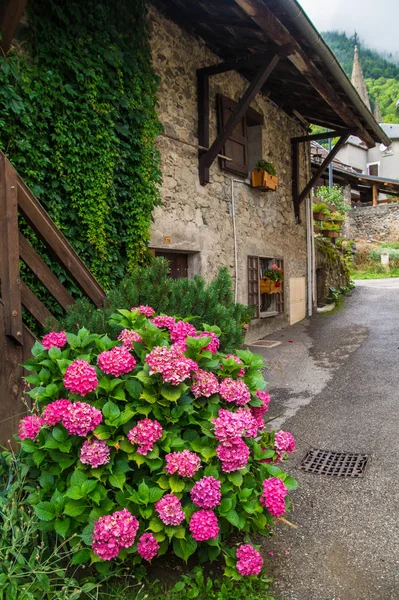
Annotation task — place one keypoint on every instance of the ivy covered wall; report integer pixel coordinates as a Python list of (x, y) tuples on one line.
[(78, 121)]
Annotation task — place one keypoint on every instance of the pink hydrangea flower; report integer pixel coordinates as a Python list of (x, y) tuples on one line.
[(163, 321), (284, 442), (238, 360), (234, 390), (128, 337), (147, 546), (144, 309), (204, 384), (95, 453), (249, 423), (113, 532), (169, 510), (204, 525), (179, 332), (249, 561), (80, 418), (54, 411), (214, 344), (29, 427), (145, 434), (228, 425), (54, 338), (171, 363), (80, 378), (186, 463), (117, 361), (233, 454), (274, 492), (206, 493)]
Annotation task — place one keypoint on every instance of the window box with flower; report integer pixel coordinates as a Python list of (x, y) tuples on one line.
[(271, 280), (264, 176)]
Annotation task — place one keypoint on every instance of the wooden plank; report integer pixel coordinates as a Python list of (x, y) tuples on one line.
[(295, 179), (261, 76), (9, 258), (275, 29), (249, 60), (34, 306), (11, 12), (11, 384), (203, 122), (326, 135), (321, 169), (43, 273), (45, 228), (375, 195)]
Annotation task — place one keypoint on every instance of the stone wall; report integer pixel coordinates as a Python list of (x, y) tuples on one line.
[(197, 219), (330, 269), (380, 223)]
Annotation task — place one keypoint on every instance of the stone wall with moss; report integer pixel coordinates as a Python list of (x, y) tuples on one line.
[(331, 269)]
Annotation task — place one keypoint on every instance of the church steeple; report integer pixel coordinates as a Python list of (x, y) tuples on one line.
[(358, 79), (377, 112)]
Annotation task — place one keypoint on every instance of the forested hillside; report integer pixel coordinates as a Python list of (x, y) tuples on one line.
[(382, 75)]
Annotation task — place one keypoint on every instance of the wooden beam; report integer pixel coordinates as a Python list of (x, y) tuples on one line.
[(326, 135), (261, 76), (329, 158), (9, 257), (11, 12), (203, 122), (43, 273), (34, 306), (375, 194), (243, 62), (275, 29), (46, 229), (295, 180)]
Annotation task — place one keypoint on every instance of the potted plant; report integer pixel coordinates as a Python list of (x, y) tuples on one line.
[(264, 176), (336, 217), (330, 230), (270, 282), (321, 212)]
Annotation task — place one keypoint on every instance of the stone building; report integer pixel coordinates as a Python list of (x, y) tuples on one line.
[(223, 220)]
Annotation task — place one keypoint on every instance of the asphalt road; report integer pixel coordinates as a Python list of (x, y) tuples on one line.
[(335, 386)]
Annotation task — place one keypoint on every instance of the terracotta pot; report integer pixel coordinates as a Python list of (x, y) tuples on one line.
[(262, 180), (316, 229), (320, 217), (330, 234)]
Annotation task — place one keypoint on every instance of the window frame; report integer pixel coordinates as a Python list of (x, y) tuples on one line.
[(254, 296)]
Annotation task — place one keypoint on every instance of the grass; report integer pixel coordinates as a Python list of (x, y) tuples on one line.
[(373, 273)]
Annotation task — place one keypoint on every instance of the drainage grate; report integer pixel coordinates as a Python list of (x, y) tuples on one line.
[(340, 464), (265, 343)]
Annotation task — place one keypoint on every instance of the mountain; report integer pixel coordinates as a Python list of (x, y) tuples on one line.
[(380, 70)]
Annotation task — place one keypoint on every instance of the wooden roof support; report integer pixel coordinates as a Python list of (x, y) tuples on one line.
[(207, 158), (326, 135), (298, 197), (275, 29), (11, 12)]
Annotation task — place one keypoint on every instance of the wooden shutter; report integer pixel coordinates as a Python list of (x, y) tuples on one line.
[(280, 297), (236, 146), (253, 283)]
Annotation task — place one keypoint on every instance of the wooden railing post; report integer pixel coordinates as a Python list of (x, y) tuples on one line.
[(9, 252)]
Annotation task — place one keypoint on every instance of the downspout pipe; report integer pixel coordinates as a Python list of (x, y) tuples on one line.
[(307, 30)]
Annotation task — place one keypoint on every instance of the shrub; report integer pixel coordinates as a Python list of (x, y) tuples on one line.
[(333, 196), (375, 255), (152, 444), (189, 298)]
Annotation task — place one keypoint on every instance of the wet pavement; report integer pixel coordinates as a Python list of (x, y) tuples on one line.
[(335, 386)]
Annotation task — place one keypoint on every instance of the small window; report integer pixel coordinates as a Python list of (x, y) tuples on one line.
[(373, 169), (244, 146), (266, 305), (178, 263)]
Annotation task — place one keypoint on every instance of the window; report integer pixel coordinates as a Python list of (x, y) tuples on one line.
[(266, 305), (244, 146), (373, 169), (178, 263)]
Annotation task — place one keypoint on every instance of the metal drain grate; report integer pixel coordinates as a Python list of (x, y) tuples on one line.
[(265, 343), (340, 464)]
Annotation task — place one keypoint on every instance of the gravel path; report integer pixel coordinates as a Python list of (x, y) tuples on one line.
[(336, 387)]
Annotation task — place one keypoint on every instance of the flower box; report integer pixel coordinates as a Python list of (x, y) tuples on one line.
[(316, 228), (320, 217), (262, 180), (330, 234), (268, 286)]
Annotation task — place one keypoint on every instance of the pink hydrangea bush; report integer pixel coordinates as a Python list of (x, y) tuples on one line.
[(54, 339), (156, 442)]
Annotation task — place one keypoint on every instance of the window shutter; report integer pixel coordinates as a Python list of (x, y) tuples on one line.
[(280, 297), (236, 146), (253, 283)]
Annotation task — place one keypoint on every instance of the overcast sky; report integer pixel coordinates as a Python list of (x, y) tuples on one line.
[(377, 22)]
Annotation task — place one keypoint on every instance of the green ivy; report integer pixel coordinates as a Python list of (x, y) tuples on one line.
[(78, 121)]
